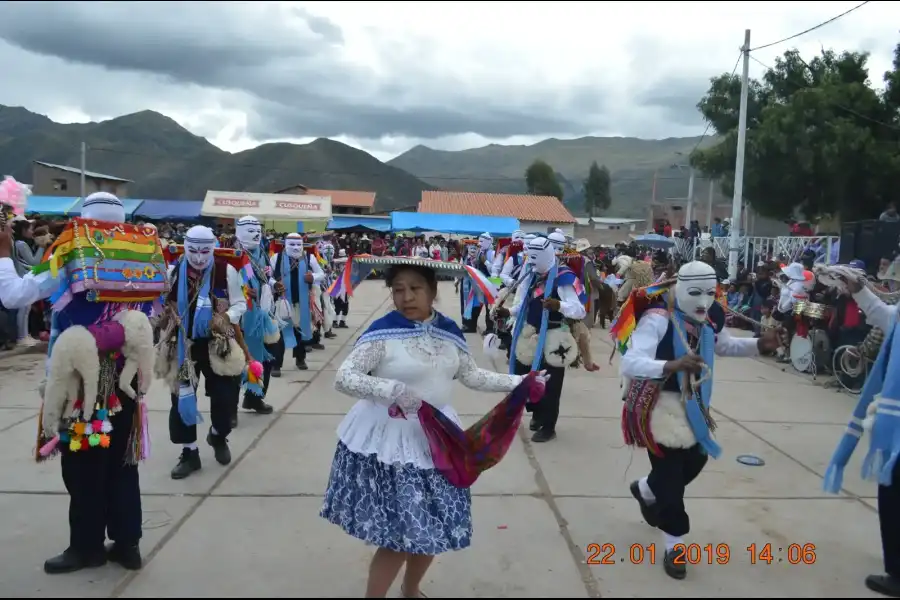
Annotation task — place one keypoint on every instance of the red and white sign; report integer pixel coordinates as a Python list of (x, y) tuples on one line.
[(266, 206)]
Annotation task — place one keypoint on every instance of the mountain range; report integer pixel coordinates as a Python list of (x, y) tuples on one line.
[(166, 161)]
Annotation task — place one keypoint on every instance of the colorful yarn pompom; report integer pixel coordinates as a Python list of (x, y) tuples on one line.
[(94, 440), (78, 428), (256, 370), (75, 443), (104, 440)]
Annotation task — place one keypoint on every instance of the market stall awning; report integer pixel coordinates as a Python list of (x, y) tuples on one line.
[(169, 210), (339, 222), (130, 204), (281, 207), (51, 205), (460, 224)]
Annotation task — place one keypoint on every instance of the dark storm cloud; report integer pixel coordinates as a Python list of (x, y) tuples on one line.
[(676, 97), (290, 64)]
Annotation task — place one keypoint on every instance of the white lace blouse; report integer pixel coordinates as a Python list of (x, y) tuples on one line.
[(427, 366)]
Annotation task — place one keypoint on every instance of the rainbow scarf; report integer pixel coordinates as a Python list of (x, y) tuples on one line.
[(631, 311)]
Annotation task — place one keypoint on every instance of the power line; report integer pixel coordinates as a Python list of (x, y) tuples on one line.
[(836, 105), (354, 173), (804, 32)]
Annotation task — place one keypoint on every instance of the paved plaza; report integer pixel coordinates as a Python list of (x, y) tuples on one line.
[(252, 529)]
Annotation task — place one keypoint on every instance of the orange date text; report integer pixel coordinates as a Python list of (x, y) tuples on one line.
[(606, 554)]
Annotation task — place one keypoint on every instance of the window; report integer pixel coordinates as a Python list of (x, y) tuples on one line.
[(60, 185)]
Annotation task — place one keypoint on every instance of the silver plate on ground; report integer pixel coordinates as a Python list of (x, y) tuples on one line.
[(750, 460)]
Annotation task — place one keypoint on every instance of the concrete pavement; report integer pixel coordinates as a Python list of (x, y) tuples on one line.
[(252, 528)]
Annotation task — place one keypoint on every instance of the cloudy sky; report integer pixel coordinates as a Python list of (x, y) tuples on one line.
[(384, 76)]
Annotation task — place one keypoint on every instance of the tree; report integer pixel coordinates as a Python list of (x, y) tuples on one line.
[(819, 142), (597, 195), (540, 180)]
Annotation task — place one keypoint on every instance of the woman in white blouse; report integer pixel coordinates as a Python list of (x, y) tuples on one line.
[(383, 487)]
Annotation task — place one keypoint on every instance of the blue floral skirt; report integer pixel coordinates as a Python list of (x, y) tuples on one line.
[(398, 507)]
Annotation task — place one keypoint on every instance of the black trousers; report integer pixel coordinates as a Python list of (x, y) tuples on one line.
[(278, 350), (104, 492), (341, 306), (669, 476), (889, 519), (546, 411), (472, 323), (223, 392)]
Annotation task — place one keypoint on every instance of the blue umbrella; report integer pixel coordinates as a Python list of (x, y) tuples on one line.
[(654, 240)]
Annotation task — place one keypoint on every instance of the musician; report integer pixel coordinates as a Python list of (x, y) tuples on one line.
[(876, 413), (564, 301), (794, 288), (676, 336)]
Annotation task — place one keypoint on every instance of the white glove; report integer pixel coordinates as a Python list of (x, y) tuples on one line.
[(542, 377)]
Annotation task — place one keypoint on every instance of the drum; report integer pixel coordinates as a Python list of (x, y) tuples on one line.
[(802, 353), (821, 349), (814, 310)]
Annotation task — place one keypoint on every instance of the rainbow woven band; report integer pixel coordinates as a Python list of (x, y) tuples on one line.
[(112, 262)]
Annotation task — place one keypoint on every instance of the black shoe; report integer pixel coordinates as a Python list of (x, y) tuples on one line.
[(673, 570), (342, 325), (220, 448), (317, 347), (187, 464), (276, 372), (257, 405), (534, 425), (70, 561), (301, 365), (648, 511), (126, 555), (884, 585), (542, 435), (330, 335)]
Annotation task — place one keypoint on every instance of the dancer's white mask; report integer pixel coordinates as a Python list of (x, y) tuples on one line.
[(695, 290), (293, 245), (199, 244), (103, 206), (485, 241), (249, 232), (518, 235), (558, 240), (540, 255)]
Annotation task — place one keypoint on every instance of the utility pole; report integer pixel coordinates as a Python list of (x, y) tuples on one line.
[(712, 185), (83, 161), (690, 198), (737, 202)]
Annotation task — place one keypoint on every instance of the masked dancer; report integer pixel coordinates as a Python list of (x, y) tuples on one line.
[(256, 322), (201, 336), (295, 272), (668, 368), (99, 366), (550, 294), (877, 413)]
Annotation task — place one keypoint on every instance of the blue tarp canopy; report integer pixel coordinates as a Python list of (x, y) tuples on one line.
[(461, 224), (338, 222), (129, 204), (164, 210), (51, 205)]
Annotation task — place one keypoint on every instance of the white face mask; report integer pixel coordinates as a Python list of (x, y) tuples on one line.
[(695, 290), (249, 233), (518, 236), (540, 255), (485, 242), (199, 255), (293, 248)]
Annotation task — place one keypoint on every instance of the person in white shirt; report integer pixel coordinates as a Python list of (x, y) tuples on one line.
[(203, 284), (673, 346)]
